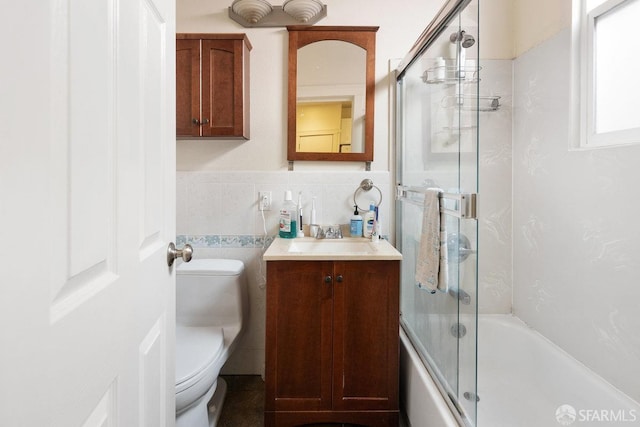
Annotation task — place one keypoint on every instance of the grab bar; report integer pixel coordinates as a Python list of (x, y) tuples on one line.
[(465, 206)]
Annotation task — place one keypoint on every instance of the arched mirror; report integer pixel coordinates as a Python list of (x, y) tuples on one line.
[(331, 93)]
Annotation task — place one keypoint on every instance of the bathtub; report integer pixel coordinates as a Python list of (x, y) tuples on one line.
[(523, 380)]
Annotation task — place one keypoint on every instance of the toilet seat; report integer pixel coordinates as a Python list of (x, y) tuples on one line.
[(197, 350)]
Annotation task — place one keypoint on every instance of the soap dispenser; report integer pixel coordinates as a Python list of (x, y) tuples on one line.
[(356, 223)]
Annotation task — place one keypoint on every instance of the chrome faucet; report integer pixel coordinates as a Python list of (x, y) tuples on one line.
[(331, 232)]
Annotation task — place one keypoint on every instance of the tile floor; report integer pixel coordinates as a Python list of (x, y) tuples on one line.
[(244, 404)]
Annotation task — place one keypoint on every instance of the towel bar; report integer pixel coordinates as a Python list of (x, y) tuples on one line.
[(465, 206)]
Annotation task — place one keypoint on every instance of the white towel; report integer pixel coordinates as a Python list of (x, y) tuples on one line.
[(428, 262), (443, 273)]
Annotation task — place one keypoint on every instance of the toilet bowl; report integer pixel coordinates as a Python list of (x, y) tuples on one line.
[(211, 310)]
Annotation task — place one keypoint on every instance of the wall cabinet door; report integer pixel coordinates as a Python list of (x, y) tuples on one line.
[(332, 342), (187, 87), (212, 85)]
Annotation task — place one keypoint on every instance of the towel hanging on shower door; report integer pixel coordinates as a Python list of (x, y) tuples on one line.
[(432, 261)]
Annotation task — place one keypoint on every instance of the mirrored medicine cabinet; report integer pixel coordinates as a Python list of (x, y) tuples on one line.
[(331, 93)]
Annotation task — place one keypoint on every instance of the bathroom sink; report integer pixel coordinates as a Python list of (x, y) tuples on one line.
[(348, 248), (332, 247)]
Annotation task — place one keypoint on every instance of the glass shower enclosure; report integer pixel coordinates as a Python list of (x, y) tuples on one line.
[(437, 138)]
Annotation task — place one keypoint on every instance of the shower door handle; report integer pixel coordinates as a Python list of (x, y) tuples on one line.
[(172, 253), (460, 295)]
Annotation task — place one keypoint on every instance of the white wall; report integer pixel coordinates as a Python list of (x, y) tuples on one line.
[(511, 27), (535, 21)]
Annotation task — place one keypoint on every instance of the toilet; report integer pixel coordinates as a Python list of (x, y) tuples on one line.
[(211, 310)]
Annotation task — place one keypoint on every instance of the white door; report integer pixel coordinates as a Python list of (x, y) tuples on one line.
[(87, 209)]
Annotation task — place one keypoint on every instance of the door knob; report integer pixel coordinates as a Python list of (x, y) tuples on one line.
[(173, 253)]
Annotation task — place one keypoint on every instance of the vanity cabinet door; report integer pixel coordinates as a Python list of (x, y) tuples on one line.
[(332, 343), (298, 337), (365, 335)]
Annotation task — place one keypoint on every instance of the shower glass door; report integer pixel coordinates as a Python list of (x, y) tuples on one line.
[(437, 107)]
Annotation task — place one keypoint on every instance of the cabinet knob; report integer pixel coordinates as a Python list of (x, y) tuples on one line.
[(327, 279), (339, 278), (200, 123)]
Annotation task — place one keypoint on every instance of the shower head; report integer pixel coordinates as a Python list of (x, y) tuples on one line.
[(466, 40)]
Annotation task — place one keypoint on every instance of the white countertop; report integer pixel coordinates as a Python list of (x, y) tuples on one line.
[(346, 249)]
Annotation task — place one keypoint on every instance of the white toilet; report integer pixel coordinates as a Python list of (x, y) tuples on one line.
[(211, 310)]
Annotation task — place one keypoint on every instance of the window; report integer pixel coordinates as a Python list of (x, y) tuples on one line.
[(606, 72)]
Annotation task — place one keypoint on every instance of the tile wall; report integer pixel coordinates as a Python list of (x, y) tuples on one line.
[(495, 190), (576, 258), (218, 215)]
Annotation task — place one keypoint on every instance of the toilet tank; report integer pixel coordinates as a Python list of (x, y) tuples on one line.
[(211, 292)]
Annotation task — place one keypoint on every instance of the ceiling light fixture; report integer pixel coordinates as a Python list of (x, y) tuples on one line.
[(251, 10), (302, 10), (260, 13)]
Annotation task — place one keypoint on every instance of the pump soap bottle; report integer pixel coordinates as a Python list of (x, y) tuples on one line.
[(356, 223)]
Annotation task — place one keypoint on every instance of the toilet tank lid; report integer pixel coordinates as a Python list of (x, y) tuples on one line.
[(211, 267)]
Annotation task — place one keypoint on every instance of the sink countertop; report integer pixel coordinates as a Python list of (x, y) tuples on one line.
[(346, 249)]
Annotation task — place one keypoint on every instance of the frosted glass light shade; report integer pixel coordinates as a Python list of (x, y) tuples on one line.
[(302, 10), (251, 10)]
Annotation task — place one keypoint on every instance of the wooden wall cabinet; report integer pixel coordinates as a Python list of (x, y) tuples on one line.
[(212, 85), (332, 343)]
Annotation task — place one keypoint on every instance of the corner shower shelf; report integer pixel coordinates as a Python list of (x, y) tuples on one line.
[(451, 75), (458, 128), (471, 102)]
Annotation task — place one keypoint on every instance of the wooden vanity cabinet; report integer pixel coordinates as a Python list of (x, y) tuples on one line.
[(332, 343), (212, 85)]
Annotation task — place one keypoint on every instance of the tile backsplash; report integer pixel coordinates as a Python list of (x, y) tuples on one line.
[(218, 215)]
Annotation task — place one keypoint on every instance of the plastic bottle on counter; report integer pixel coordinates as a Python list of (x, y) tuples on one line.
[(356, 223), (288, 218), (369, 220)]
